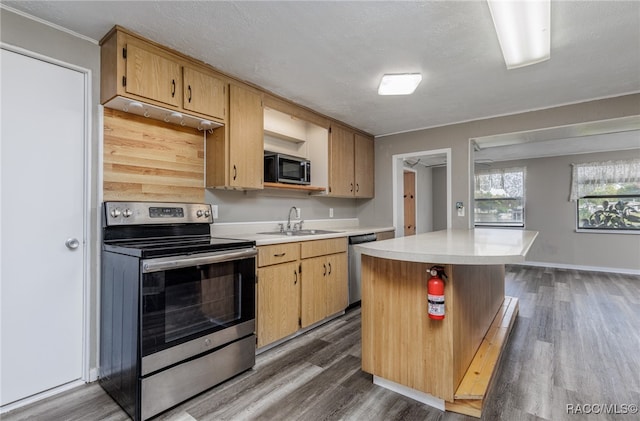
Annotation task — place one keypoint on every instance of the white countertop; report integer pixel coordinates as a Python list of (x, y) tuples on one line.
[(250, 231), (456, 246)]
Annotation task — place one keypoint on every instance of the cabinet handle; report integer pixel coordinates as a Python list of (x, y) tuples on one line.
[(279, 254), (351, 188), (235, 172), (325, 269), (295, 275), (357, 187), (329, 268), (189, 88), (173, 88)]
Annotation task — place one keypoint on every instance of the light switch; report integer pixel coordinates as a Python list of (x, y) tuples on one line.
[(460, 208)]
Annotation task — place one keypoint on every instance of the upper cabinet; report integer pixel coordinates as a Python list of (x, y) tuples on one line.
[(351, 163), (246, 148), (203, 93), (341, 159), (143, 71), (151, 74), (235, 157), (364, 165)]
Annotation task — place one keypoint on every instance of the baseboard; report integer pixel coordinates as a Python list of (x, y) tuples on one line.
[(39, 396), (585, 268), (416, 395)]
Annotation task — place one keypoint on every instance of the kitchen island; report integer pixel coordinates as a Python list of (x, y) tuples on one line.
[(449, 363)]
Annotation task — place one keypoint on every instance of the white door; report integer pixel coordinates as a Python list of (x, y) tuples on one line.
[(41, 207)]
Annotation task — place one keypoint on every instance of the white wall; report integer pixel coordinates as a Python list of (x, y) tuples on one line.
[(439, 188), (273, 205)]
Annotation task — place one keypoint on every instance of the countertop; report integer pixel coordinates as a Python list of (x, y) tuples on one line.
[(456, 246), (343, 228)]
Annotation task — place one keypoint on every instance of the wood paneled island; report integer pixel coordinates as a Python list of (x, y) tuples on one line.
[(446, 363)]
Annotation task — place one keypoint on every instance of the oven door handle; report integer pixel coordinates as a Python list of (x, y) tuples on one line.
[(177, 262)]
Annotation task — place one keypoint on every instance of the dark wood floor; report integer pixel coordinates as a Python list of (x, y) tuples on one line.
[(575, 342)]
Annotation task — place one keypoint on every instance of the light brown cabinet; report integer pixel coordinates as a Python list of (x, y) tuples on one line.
[(351, 163), (277, 292), (299, 284), (278, 302), (143, 71), (324, 279), (235, 153), (364, 164), (203, 93), (151, 74)]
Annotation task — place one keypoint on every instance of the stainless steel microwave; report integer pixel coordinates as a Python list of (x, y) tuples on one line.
[(281, 168)]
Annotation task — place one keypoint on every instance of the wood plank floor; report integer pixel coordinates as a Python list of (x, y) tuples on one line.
[(576, 341)]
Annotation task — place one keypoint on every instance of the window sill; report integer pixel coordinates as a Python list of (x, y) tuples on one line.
[(499, 226), (597, 231)]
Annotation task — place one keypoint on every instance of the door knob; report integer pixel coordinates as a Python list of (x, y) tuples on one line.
[(72, 243)]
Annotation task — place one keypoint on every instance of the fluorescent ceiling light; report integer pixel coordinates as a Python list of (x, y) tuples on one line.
[(401, 84), (523, 28)]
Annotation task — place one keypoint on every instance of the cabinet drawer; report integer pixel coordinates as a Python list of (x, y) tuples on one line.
[(322, 247), (278, 253)]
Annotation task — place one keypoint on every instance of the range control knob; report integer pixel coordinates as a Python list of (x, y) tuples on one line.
[(199, 213), (207, 214), (115, 212), (127, 213)]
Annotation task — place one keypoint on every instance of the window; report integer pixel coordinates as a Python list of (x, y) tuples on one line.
[(499, 197), (607, 195)]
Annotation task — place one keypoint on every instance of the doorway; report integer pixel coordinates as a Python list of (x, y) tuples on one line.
[(432, 191)]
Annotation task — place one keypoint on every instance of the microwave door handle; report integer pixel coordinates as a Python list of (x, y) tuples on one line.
[(168, 263)]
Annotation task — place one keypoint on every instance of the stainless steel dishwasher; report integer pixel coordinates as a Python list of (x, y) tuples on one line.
[(355, 290)]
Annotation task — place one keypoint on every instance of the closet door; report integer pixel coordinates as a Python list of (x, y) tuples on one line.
[(42, 224)]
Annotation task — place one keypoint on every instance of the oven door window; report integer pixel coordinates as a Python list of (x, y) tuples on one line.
[(182, 304)]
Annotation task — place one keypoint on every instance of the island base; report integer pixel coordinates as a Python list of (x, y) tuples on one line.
[(476, 383)]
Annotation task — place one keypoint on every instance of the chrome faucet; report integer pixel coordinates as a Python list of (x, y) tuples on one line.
[(293, 208)]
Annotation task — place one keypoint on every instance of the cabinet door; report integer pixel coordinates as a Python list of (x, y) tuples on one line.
[(203, 93), (278, 296), (152, 75), (314, 290), (246, 138), (337, 284), (364, 166), (341, 155)]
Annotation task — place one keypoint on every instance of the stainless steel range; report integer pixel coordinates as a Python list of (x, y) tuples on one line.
[(177, 306)]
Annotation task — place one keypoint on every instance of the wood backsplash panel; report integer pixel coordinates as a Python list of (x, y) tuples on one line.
[(151, 160)]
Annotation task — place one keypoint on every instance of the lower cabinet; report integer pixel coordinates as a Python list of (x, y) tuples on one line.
[(325, 287), (298, 285), (278, 302)]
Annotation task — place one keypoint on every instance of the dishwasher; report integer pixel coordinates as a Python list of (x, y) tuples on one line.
[(355, 290)]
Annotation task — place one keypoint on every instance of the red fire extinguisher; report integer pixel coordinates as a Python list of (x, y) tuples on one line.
[(435, 293)]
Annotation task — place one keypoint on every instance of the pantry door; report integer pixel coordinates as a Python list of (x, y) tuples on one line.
[(42, 221)]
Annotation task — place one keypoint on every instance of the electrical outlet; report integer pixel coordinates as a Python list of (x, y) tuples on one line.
[(330, 212), (214, 211), (298, 213)]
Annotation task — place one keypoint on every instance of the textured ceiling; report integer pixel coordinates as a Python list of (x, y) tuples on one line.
[(330, 56)]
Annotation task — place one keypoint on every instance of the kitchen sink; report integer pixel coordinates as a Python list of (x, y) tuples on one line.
[(299, 232)]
